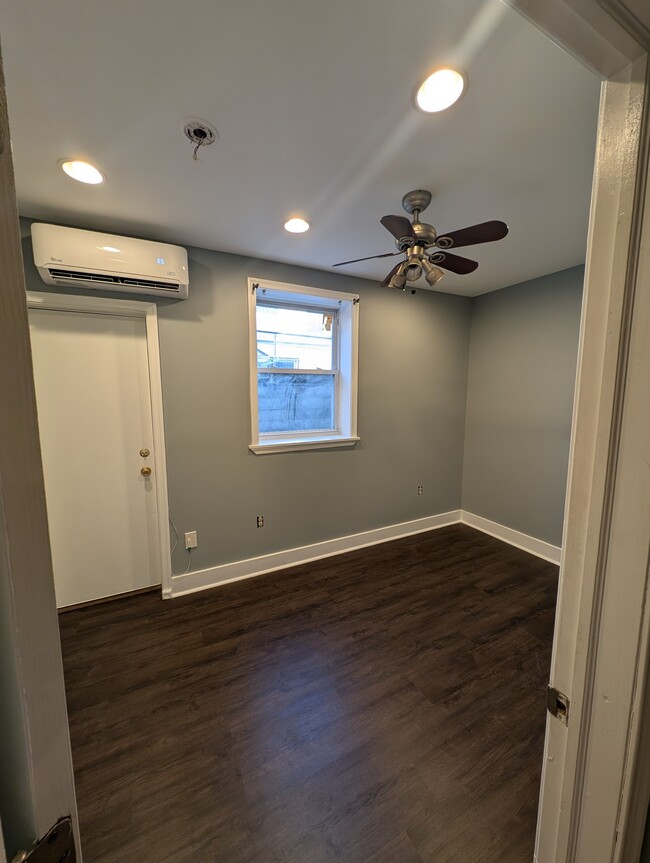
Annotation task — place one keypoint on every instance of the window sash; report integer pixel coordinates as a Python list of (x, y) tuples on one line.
[(271, 371), (335, 428), (306, 307)]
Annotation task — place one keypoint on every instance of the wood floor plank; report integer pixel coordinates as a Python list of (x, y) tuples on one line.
[(384, 705)]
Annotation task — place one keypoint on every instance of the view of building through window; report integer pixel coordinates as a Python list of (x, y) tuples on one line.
[(301, 339), (293, 338)]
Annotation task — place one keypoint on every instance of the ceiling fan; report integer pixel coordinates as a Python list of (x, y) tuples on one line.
[(424, 250)]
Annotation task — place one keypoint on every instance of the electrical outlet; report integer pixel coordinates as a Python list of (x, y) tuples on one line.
[(191, 540), (260, 521), (420, 489)]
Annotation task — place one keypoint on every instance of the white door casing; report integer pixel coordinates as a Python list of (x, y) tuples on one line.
[(608, 282), (601, 637), (97, 360), (618, 672)]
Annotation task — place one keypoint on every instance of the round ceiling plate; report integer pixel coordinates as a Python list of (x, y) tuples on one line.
[(200, 132), (418, 199)]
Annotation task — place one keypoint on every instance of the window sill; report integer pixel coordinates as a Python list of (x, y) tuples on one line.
[(296, 445)]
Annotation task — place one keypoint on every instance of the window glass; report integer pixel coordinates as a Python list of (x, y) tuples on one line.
[(294, 338), (295, 402)]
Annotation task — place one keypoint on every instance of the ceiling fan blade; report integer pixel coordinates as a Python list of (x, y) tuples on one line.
[(399, 226), (453, 263), (485, 232), (384, 284), (369, 258)]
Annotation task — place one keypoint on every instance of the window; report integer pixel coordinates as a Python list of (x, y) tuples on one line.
[(303, 349)]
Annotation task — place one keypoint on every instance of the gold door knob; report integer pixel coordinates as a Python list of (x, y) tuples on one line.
[(144, 452), (145, 471)]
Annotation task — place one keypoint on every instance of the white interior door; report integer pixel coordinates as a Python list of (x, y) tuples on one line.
[(94, 416)]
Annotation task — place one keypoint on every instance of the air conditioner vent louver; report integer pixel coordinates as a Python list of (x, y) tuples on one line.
[(76, 275)]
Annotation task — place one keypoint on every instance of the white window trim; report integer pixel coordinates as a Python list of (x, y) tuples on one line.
[(347, 306)]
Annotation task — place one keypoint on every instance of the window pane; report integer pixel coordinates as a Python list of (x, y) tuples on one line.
[(291, 403), (294, 339)]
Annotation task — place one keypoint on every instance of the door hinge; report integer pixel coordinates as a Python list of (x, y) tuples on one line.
[(57, 846), (557, 704)]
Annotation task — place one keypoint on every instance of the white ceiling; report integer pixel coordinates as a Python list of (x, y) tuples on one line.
[(312, 101)]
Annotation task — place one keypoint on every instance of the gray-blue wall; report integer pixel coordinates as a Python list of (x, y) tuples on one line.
[(522, 363), (494, 441), (412, 382)]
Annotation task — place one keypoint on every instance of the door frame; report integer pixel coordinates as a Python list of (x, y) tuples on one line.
[(149, 312), (586, 773), (588, 812)]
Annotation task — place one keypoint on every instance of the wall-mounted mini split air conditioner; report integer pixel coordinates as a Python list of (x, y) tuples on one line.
[(69, 257)]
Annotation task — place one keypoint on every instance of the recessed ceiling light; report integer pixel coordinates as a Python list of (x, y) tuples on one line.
[(296, 226), (440, 90), (84, 172)]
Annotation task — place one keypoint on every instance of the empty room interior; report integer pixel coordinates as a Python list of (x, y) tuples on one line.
[(305, 288)]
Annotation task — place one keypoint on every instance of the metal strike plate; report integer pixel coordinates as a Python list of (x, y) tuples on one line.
[(57, 846), (558, 704)]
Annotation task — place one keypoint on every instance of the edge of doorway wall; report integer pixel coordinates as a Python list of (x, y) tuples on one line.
[(239, 570), (149, 312)]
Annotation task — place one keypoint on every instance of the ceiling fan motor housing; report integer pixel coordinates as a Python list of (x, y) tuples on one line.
[(425, 234)]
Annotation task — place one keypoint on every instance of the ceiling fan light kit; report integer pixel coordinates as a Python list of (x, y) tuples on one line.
[(424, 249), (432, 273), (398, 279)]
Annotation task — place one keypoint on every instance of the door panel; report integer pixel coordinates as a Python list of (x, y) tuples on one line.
[(94, 416)]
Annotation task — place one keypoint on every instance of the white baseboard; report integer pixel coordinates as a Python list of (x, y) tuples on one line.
[(226, 573), (513, 537), (249, 568)]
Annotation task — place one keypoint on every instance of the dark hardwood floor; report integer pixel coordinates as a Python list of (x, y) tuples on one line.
[(385, 706)]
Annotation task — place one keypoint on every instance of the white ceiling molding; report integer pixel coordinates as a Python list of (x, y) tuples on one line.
[(634, 16), (590, 38)]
